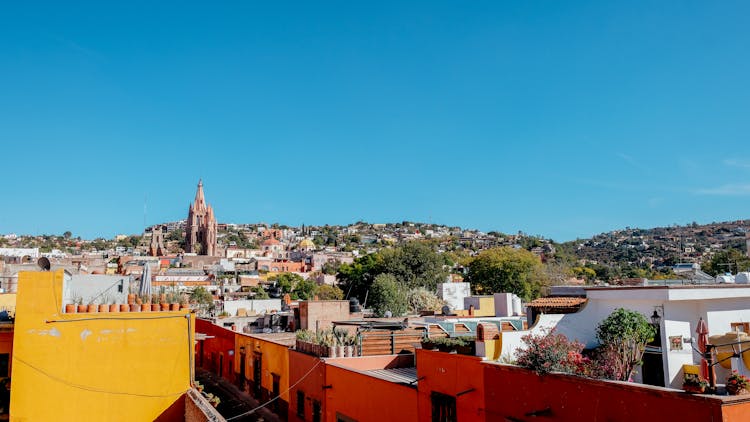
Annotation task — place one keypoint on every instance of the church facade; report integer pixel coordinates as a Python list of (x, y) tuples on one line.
[(201, 227)]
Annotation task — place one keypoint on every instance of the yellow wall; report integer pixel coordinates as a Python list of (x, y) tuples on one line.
[(94, 367), (486, 307), (275, 360)]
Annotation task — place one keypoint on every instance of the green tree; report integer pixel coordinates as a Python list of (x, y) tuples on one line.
[(415, 264), (327, 292), (305, 289), (203, 298), (508, 270), (356, 278), (67, 235), (260, 293), (730, 260), (421, 299), (388, 295), (624, 334)]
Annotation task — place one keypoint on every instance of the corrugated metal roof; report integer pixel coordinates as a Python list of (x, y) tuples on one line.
[(397, 375)]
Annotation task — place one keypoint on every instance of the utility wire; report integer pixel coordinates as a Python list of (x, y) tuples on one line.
[(94, 389), (251, 411)]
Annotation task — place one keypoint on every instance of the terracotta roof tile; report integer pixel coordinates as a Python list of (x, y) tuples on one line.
[(556, 302)]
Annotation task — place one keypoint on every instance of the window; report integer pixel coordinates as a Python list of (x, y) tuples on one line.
[(257, 368), (316, 411), (301, 404), (4, 361), (443, 407), (741, 326)]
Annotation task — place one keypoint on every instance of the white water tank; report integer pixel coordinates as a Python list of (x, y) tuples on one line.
[(517, 307), (742, 278)]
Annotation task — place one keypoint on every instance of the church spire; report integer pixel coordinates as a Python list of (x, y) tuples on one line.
[(199, 198)]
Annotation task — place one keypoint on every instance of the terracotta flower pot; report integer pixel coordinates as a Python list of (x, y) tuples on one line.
[(103, 308), (124, 307), (145, 307), (734, 390), (91, 308), (164, 306), (114, 307), (184, 306), (134, 307), (70, 308), (155, 307), (174, 306), (82, 309), (131, 298)]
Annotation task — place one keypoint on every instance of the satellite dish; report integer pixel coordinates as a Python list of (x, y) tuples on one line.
[(43, 263)]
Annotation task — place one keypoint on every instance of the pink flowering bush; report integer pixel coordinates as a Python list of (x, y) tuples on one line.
[(552, 352)]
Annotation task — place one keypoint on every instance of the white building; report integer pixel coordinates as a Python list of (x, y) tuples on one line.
[(725, 308)]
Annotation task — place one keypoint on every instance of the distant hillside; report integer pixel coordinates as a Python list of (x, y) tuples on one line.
[(661, 246)]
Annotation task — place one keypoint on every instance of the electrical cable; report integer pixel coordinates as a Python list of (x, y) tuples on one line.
[(251, 411), (94, 389)]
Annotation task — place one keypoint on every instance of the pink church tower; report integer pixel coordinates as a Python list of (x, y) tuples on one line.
[(201, 228)]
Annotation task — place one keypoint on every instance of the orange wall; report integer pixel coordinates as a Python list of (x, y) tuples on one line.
[(311, 384), (451, 374), (366, 398), (736, 409), (514, 393)]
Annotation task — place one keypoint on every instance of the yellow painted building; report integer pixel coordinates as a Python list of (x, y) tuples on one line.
[(94, 366), (271, 353)]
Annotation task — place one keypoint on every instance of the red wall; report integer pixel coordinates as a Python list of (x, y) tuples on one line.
[(451, 374), (515, 393), (215, 349)]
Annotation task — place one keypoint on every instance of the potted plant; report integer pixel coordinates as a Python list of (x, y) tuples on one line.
[(124, 307), (350, 343), (155, 303), (466, 345), (184, 303), (113, 306), (80, 306), (428, 344), (145, 303), (340, 342), (737, 384), (694, 384), (103, 306), (174, 304)]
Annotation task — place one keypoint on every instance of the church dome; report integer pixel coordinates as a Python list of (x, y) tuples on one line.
[(306, 244)]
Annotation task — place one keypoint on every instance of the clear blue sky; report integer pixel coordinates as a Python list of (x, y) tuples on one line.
[(563, 119)]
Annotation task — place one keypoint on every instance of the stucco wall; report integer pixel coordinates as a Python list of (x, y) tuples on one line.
[(514, 393), (259, 306), (116, 367)]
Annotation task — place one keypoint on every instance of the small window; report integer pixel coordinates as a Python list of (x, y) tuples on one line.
[(301, 404), (4, 362), (741, 326), (443, 407), (316, 411)]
